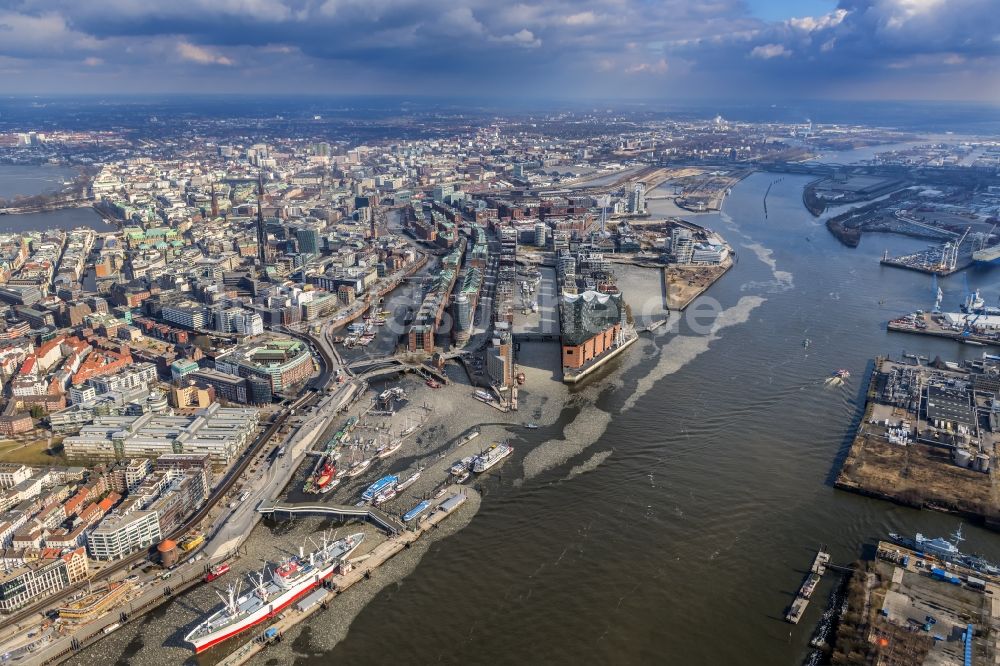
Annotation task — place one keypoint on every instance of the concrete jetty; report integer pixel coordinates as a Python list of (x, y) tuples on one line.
[(801, 601), (934, 329)]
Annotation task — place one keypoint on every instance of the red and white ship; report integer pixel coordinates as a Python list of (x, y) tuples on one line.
[(288, 582)]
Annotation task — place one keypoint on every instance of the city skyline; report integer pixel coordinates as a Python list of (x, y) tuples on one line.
[(760, 50)]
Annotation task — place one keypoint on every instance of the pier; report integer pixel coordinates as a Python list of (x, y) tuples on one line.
[(342, 512), (934, 328), (909, 263), (801, 601), (358, 569), (654, 325)]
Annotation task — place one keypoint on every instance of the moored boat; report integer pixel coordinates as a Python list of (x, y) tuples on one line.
[(326, 474), (462, 466), (272, 592), (216, 571), (384, 496), (359, 467), (388, 449), (491, 457), (403, 485), (388, 481), (416, 511)]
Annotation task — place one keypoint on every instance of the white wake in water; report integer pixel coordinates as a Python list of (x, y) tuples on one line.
[(783, 280)]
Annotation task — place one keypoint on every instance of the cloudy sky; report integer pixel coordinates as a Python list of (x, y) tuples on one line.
[(653, 49)]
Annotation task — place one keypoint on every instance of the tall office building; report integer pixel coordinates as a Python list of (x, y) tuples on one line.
[(462, 310), (681, 245), (541, 230), (309, 240), (637, 199)]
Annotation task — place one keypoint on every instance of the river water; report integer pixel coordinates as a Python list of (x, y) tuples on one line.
[(688, 540)]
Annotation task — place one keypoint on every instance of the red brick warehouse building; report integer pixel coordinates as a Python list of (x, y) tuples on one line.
[(591, 323)]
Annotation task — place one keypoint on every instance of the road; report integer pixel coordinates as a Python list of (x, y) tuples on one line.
[(30, 617), (232, 524)]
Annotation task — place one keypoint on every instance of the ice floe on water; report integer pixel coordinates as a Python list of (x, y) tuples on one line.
[(590, 464), (578, 434)]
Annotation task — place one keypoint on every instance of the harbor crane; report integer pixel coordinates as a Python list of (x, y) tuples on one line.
[(949, 254), (970, 324)]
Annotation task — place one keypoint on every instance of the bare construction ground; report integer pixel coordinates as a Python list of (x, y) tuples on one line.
[(917, 475), (686, 283)]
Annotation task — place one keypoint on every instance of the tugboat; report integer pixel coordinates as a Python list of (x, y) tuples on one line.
[(462, 466)]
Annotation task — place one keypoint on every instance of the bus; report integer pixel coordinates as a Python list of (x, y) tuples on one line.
[(281, 451)]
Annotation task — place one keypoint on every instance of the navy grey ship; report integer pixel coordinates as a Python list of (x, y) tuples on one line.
[(947, 551)]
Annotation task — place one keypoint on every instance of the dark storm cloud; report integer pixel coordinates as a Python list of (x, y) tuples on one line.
[(638, 48)]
